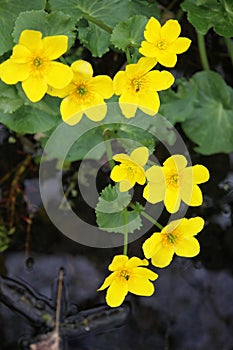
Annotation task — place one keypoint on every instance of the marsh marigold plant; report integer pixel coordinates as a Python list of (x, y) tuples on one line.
[(138, 86), (128, 276), (175, 238), (84, 95), (131, 168), (32, 63), (175, 182), (163, 43)]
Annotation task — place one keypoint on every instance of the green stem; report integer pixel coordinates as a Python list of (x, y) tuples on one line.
[(128, 56), (229, 46), (202, 51), (147, 216), (108, 149), (98, 23), (125, 249)]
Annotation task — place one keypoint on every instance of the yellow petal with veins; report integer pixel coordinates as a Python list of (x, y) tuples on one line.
[(170, 30), (35, 87), (12, 72), (54, 46), (58, 75), (32, 39)]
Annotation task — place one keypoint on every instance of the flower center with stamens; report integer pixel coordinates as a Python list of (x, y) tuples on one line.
[(137, 84), (172, 180), (124, 275), (81, 90), (161, 44), (171, 238), (37, 62)]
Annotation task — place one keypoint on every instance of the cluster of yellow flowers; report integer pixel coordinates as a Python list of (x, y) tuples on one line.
[(32, 63), (172, 183)]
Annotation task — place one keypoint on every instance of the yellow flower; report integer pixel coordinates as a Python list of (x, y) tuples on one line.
[(85, 94), (175, 238), (162, 43), (175, 182), (32, 63), (131, 169), (138, 87), (127, 276)]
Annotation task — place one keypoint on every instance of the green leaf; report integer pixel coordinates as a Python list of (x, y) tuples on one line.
[(9, 98), (110, 13), (176, 106), (110, 211), (210, 13), (210, 123), (132, 137), (145, 8), (9, 10), (129, 32), (56, 23), (94, 39), (30, 120), (89, 145)]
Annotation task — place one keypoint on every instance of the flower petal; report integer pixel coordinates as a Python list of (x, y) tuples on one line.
[(83, 68), (126, 185), (97, 110), (152, 30), (12, 72), (121, 157), (118, 262), (54, 46), (103, 85), (144, 272), (163, 257), (191, 227), (155, 174), (152, 245), (35, 87), (154, 193), (120, 82), (176, 161), (160, 80), (180, 45), (20, 54), (200, 174), (187, 247), (118, 173), (172, 200), (108, 280), (148, 49), (191, 195), (170, 30), (128, 103), (166, 58), (149, 102), (58, 75), (140, 155), (71, 110), (32, 39), (135, 262), (116, 293), (140, 286), (60, 92)]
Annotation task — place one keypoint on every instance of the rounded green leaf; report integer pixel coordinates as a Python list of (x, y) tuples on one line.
[(206, 14), (9, 11)]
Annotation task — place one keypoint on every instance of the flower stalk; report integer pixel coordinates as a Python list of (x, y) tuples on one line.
[(125, 249), (98, 23), (202, 51)]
